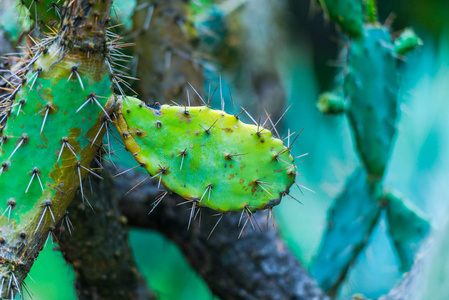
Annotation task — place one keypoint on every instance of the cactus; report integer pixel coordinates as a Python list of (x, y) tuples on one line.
[(353, 216), (55, 121), (369, 97), (52, 134), (407, 226), (207, 156), (371, 84), (348, 14)]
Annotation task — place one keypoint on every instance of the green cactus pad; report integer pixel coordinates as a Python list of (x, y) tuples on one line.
[(351, 219), (407, 227), (372, 88), (206, 155), (346, 13), (37, 180)]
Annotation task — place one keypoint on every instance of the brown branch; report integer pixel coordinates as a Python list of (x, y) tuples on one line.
[(256, 266), (98, 248)]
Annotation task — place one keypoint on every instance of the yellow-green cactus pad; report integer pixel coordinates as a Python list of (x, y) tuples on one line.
[(207, 156)]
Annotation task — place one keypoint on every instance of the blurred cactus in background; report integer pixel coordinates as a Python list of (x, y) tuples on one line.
[(369, 96), (219, 82)]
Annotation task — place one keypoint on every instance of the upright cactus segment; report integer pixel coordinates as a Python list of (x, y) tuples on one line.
[(207, 156), (369, 97), (371, 85), (53, 132), (351, 219)]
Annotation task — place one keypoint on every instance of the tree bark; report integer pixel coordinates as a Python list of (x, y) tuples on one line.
[(98, 249), (256, 266)]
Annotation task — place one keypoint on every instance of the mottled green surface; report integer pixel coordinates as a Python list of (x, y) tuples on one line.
[(210, 174), (407, 226), (351, 219), (26, 224), (346, 13), (42, 149), (372, 88)]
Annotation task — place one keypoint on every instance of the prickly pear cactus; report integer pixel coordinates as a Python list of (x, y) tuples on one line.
[(371, 85), (207, 156), (352, 216), (407, 226), (369, 97), (53, 132)]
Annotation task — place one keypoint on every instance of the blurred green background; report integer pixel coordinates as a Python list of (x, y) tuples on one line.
[(418, 165)]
